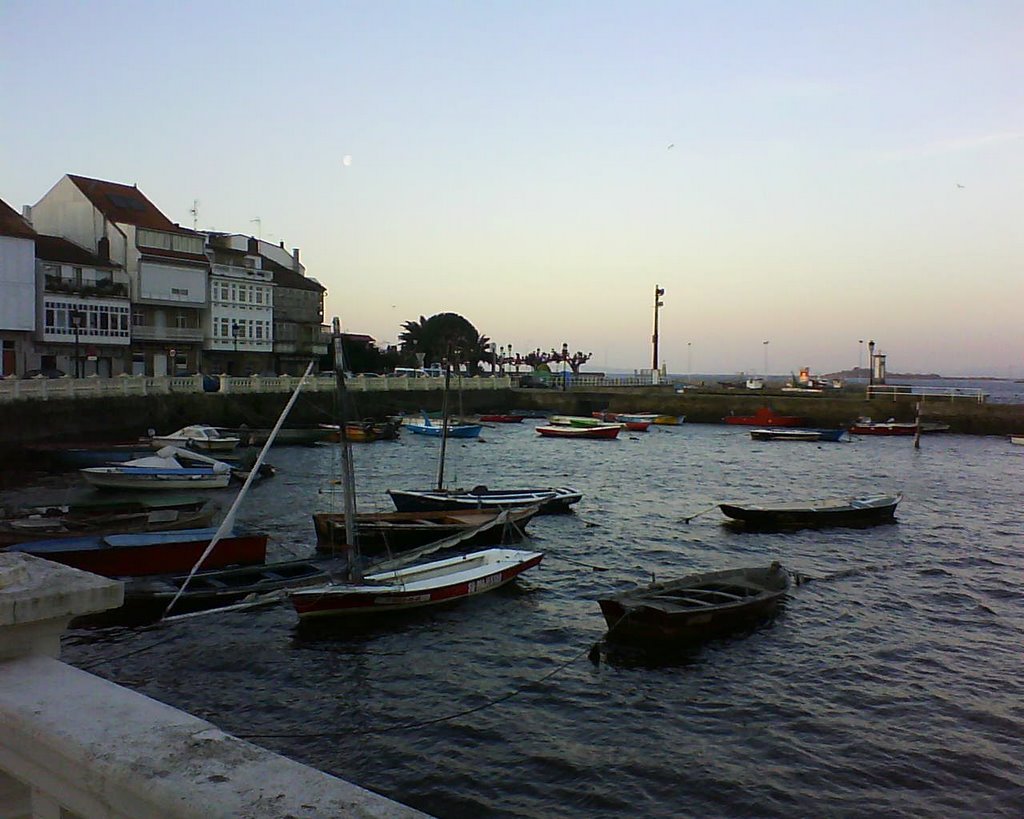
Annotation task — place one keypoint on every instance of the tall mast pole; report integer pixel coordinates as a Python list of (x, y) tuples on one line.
[(658, 293), (348, 478)]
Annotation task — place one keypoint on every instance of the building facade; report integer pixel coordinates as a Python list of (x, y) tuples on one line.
[(17, 292)]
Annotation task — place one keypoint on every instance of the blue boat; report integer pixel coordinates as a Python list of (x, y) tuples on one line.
[(455, 429)]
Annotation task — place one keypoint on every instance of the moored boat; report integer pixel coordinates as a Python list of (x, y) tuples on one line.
[(1017, 439), (157, 472), (450, 429), (501, 419), (145, 553), (695, 608), (428, 584), (797, 434), (598, 432), (553, 500), (865, 426), (766, 417), (860, 511), (197, 436)]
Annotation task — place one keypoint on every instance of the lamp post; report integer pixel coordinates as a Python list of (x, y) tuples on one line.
[(76, 317), (689, 360), (565, 359), (658, 293), (765, 360), (236, 328), (860, 356)]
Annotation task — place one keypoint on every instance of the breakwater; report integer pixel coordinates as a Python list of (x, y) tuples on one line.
[(116, 417)]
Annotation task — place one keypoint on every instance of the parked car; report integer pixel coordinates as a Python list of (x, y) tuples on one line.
[(47, 373), (534, 381)]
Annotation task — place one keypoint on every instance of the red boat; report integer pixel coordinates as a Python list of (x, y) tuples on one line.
[(605, 431), (501, 419), (145, 553), (766, 417)]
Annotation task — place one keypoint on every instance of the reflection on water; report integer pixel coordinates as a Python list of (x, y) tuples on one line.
[(890, 685)]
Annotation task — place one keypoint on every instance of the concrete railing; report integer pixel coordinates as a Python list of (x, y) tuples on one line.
[(924, 393), (75, 745)]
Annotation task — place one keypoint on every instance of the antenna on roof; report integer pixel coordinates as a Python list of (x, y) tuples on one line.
[(195, 213), (259, 227)]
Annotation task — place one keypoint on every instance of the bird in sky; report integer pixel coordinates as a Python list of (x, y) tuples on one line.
[(959, 185), (670, 147)]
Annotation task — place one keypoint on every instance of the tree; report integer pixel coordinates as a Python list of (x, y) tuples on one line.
[(446, 336), (538, 359)]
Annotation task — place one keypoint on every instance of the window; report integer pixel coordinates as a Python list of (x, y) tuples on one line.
[(181, 321)]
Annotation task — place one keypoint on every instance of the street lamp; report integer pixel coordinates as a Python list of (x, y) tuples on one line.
[(76, 317), (765, 360), (860, 356), (689, 360), (658, 293), (565, 359), (236, 328)]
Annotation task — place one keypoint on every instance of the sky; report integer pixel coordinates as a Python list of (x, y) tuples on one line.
[(813, 175)]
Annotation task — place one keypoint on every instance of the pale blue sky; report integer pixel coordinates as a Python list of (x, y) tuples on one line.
[(511, 162)]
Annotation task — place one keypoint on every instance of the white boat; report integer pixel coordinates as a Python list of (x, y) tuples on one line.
[(158, 472), (197, 436), (428, 584), (1017, 439)]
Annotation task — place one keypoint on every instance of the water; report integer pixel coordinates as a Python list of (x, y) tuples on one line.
[(893, 687)]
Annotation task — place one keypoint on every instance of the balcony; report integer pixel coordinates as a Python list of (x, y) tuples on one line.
[(149, 332), (104, 288)]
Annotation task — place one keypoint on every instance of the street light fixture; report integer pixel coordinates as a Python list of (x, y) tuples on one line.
[(236, 328), (860, 356), (77, 316), (689, 360), (765, 360)]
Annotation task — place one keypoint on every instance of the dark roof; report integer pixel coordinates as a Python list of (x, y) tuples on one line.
[(56, 249), (283, 277), (177, 255), (13, 223), (125, 204)]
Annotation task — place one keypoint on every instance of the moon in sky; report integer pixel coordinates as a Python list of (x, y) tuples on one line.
[(346, 160)]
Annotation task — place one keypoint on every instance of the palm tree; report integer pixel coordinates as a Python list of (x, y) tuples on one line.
[(446, 336)]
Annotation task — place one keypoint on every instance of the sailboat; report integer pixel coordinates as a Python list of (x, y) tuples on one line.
[(400, 588)]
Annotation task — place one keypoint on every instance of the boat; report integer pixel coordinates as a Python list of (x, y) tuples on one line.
[(865, 426), (796, 434), (501, 419), (142, 553), (46, 522), (575, 421), (197, 436), (365, 431), (550, 500), (633, 421), (755, 383), (870, 510), (398, 531), (669, 420), (403, 587), (600, 431), (1017, 439), (286, 436), (161, 471), (695, 608), (766, 417), (77, 455), (428, 584), (451, 429)]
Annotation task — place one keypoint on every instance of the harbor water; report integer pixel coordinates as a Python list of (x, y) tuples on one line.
[(891, 684)]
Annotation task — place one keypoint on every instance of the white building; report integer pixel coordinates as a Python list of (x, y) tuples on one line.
[(239, 327), (165, 264), (17, 291)]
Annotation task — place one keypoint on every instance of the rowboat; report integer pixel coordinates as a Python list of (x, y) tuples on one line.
[(575, 421), (197, 436), (553, 500), (695, 608), (397, 531), (365, 431), (633, 421), (428, 584), (669, 420), (766, 417), (501, 419), (1017, 439), (864, 511), (47, 522), (865, 426), (455, 429), (157, 472), (601, 432), (794, 434), (145, 553)]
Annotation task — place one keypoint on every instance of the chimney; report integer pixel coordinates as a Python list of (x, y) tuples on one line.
[(26, 213), (254, 246), (103, 248), (295, 256), (282, 245)]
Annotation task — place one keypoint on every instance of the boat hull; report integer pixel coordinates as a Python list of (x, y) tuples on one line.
[(151, 552), (766, 417), (502, 419), (795, 434), (604, 432), (695, 608), (551, 501), (449, 585), (103, 477), (853, 513)]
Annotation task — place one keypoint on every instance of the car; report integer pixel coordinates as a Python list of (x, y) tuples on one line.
[(534, 381), (50, 372)]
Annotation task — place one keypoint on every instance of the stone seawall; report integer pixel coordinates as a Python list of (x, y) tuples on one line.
[(125, 418)]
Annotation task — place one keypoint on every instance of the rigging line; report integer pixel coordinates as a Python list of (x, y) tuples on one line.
[(229, 518), (409, 726), (579, 562), (688, 518)]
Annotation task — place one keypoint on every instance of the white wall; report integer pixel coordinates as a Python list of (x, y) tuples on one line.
[(17, 283), (157, 281)]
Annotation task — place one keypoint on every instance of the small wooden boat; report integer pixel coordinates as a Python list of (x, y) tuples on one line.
[(197, 436), (398, 531), (455, 429), (575, 421), (865, 511), (149, 552), (1017, 439), (158, 472), (669, 420), (695, 608), (78, 455), (42, 523), (600, 431), (865, 426), (365, 431), (553, 500), (501, 419), (428, 584), (796, 434), (286, 436), (766, 417)]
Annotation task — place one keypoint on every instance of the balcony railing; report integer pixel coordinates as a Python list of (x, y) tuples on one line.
[(56, 284), (149, 332)]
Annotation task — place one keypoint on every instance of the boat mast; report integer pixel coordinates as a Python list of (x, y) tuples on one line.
[(348, 478), (444, 425)]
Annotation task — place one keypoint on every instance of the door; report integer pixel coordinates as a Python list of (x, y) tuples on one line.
[(159, 364)]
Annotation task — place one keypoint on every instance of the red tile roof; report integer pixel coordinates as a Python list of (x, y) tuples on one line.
[(56, 249), (125, 204), (13, 223)]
